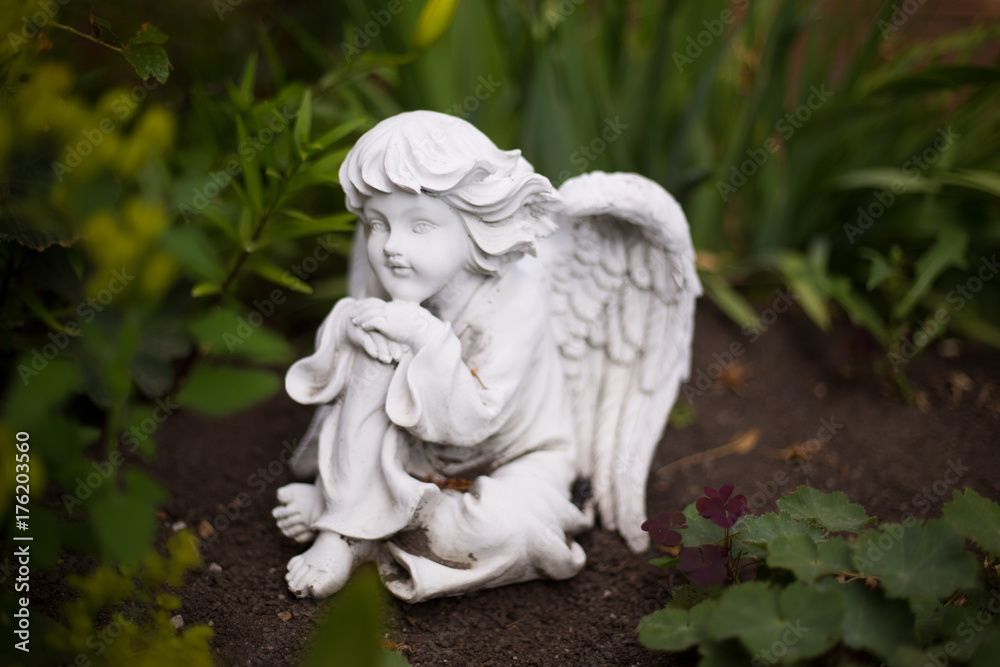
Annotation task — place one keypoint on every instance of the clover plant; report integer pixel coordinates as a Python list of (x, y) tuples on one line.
[(819, 579)]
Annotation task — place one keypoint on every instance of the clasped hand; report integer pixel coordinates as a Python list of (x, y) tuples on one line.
[(385, 330)]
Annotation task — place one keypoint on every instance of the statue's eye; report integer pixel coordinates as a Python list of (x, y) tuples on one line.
[(377, 226), (422, 227)]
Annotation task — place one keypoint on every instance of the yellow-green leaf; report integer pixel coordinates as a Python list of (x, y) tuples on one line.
[(434, 20)]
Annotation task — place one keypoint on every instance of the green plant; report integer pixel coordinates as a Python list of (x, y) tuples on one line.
[(139, 605), (148, 232), (803, 141), (820, 580)]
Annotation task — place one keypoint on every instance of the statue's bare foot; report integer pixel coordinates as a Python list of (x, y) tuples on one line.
[(323, 569), (296, 512)]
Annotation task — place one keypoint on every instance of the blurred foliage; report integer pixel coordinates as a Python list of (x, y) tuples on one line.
[(170, 217), (811, 144), (140, 631), (169, 212)]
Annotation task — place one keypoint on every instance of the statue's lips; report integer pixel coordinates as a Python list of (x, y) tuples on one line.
[(400, 270)]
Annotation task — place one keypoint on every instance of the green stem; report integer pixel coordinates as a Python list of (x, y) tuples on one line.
[(95, 40), (244, 253)]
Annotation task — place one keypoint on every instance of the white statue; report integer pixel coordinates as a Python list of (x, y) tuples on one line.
[(471, 349)]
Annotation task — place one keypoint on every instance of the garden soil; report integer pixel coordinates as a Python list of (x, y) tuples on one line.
[(790, 386)]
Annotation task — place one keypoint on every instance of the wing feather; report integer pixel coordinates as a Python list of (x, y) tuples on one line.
[(623, 292)]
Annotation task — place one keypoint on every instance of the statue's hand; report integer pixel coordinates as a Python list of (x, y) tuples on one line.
[(375, 344), (400, 322)]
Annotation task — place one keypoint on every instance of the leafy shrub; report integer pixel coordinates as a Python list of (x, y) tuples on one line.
[(811, 147), (823, 581), (140, 632)]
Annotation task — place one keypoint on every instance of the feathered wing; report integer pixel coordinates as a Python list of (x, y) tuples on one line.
[(623, 288)]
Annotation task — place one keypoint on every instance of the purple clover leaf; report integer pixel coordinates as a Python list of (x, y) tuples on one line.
[(661, 528), (719, 508), (704, 565)]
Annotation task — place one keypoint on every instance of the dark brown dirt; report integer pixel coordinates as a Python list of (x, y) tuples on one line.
[(889, 456)]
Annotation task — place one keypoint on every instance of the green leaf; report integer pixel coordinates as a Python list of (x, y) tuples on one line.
[(803, 620), (296, 227), (224, 332), (989, 654), (270, 271), (926, 561), (103, 30), (664, 561), (976, 328), (939, 77), (251, 174), (334, 135), (676, 629), (191, 248), (947, 251), (760, 531), (699, 531), (858, 309), (974, 179), (722, 654), (124, 523), (248, 80), (686, 596), (149, 34), (43, 389), (351, 631), (222, 390), (205, 289), (807, 285), (327, 168), (976, 518), (303, 123), (432, 23), (32, 301), (148, 60), (728, 299), (808, 559), (873, 622), (667, 630), (880, 270), (893, 179), (832, 511)]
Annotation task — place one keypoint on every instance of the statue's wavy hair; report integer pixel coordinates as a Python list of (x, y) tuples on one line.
[(505, 205)]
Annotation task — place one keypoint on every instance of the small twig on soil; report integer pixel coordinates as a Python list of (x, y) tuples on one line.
[(741, 444)]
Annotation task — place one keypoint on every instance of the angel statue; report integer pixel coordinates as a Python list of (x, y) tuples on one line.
[(504, 342)]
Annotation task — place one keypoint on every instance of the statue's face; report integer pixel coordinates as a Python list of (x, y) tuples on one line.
[(416, 244)]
